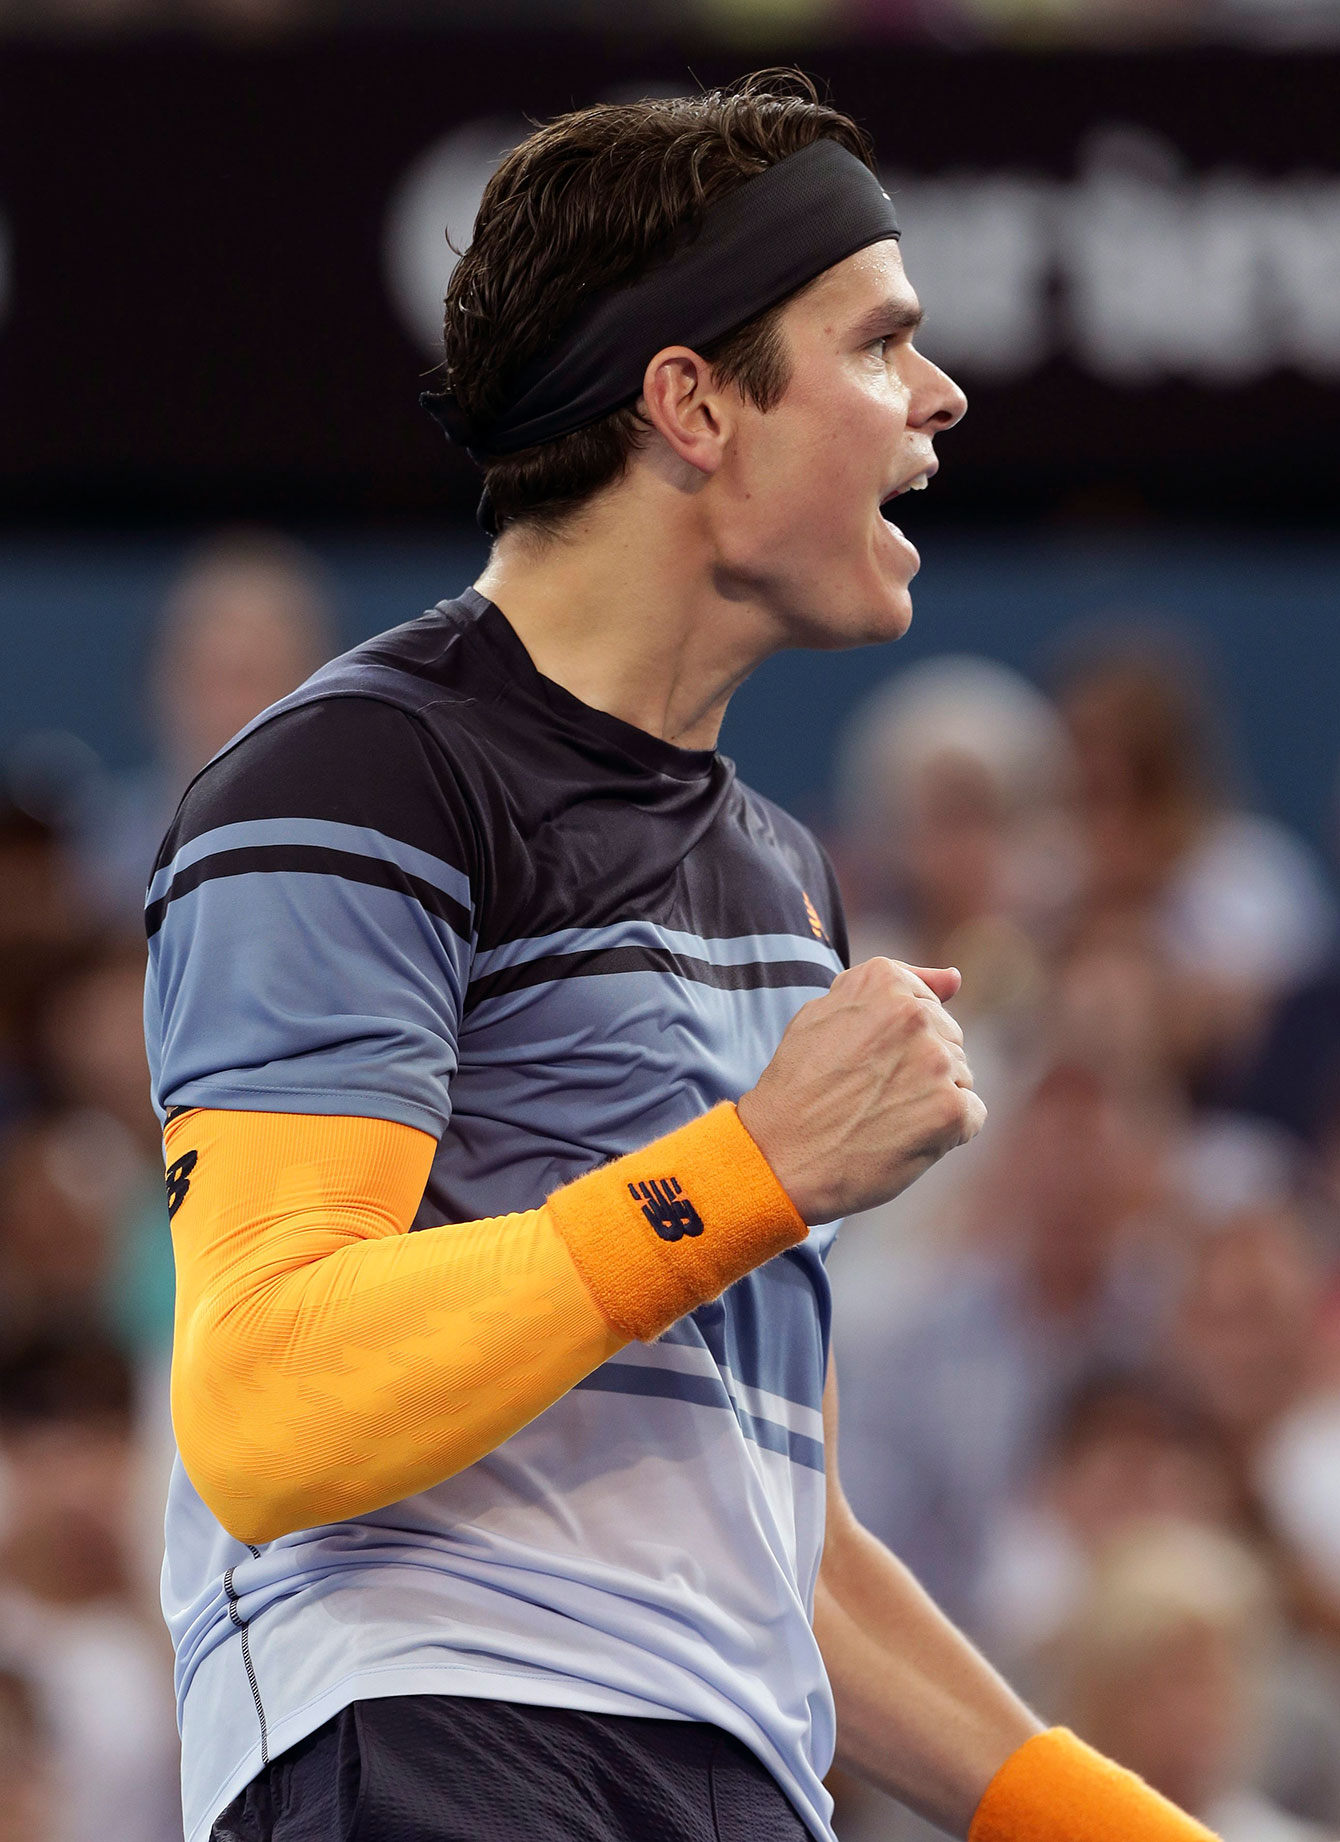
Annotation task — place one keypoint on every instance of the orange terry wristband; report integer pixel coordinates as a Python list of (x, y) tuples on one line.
[(1057, 1789), (666, 1229)]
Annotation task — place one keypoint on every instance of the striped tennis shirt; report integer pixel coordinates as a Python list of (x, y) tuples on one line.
[(431, 886)]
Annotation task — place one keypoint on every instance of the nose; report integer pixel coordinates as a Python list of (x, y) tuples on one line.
[(937, 401)]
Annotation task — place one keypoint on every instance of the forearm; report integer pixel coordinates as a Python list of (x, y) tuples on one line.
[(920, 1712), (343, 1377), (925, 1717), (327, 1362)]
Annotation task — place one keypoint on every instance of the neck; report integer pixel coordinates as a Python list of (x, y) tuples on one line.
[(625, 609)]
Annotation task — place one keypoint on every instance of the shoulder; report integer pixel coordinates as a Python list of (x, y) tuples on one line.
[(386, 736), (797, 847), (343, 791), (774, 828), (343, 759)]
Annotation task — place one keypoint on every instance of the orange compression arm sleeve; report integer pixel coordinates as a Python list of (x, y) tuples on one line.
[(1057, 1789), (327, 1362)]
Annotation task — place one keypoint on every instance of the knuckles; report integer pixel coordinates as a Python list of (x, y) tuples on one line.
[(955, 1119)]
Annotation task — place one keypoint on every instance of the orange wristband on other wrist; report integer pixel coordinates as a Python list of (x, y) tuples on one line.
[(1057, 1789), (665, 1229)]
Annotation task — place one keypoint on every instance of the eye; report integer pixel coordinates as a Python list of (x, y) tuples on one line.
[(880, 346)]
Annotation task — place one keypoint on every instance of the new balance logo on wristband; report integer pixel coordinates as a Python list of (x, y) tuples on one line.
[(667, 1208)]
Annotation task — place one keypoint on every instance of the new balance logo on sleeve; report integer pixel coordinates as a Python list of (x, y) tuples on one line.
[(667, 1208), (178, 1180)]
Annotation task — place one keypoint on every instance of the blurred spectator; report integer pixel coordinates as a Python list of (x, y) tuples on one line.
[(245, 623), (954, 851), (1294, 1081), (90, 1038), (27, 1791), (1163, 1666), (1111, 1007), (90, 1055), (1124, 1449), (64, 1177), (1235, 903), (1254, 1339), (67, 1610), (1298, 1473), (951, 1375), (950, 783), (44, 914), (1247, 1338), (1128, 1451)]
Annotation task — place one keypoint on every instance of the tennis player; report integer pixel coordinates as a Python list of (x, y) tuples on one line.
[(513, 1084)]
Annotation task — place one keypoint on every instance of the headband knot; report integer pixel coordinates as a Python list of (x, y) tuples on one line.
[(446, 411)]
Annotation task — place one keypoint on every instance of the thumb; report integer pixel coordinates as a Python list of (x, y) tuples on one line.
[(944, 981)]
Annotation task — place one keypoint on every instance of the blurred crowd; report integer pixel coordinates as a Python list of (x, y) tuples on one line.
[(88, 1748), (1090, 1365), (754, 23)]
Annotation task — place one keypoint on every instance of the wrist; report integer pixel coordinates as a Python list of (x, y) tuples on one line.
[(776, 1145), (665, 1229), (1057, 1789)]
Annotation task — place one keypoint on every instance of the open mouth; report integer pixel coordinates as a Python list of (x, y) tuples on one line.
[(918, 483)]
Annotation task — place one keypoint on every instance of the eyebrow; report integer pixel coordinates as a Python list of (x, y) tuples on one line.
[(888, 317)]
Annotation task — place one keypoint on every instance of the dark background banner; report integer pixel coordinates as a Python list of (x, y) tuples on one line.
[(198, 319)]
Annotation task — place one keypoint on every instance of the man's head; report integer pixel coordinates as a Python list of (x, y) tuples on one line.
[(785, 434)]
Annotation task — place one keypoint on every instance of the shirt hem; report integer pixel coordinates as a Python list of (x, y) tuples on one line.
[(498, 1684), (329, 1102)]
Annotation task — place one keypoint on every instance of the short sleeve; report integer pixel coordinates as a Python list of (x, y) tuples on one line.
[(310, 922)]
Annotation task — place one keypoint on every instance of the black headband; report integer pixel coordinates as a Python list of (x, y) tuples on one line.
[(751, 249)]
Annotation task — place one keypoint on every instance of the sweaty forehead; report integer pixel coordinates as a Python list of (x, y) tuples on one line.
[(874, 276)]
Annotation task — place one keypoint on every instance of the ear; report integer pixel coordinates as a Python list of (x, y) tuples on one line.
[(683, 403)]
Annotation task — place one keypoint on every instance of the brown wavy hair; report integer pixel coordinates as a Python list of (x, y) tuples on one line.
[(583, 204)]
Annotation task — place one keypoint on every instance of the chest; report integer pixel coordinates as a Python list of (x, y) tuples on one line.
[(618, 991)]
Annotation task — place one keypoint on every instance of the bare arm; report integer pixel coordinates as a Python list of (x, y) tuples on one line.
[(920, 1713)]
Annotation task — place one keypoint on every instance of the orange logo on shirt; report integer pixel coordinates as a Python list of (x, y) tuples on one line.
[(812, 916)]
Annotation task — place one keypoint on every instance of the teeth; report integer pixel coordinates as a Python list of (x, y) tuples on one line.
[(919, 484)]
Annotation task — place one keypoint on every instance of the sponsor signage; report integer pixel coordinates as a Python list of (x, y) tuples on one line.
[(221, 267)]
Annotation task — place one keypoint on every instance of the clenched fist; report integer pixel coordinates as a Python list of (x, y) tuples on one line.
[(868, 1087)]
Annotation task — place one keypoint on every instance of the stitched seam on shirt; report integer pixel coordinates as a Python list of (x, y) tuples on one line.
[(244, 1627)]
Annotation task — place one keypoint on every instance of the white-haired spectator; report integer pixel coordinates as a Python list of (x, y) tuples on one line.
[(950, 780), (1163, 1665), (950, 798)]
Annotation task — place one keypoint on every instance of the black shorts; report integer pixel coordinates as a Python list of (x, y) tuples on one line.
[(438, 1768)]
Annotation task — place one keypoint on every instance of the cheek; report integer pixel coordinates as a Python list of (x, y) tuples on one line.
[(838, 450)]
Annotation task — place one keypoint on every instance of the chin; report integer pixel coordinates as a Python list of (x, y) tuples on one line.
[(860, 620), (887, 602), (891, 619)]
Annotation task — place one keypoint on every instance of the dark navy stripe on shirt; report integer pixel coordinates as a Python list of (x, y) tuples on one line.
[(312, 859), (600, 962)]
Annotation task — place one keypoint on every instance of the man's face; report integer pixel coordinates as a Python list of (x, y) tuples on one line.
[(801, 488)]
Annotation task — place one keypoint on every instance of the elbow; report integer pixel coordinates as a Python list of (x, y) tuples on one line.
[(232, 1486), (258, 1484)]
